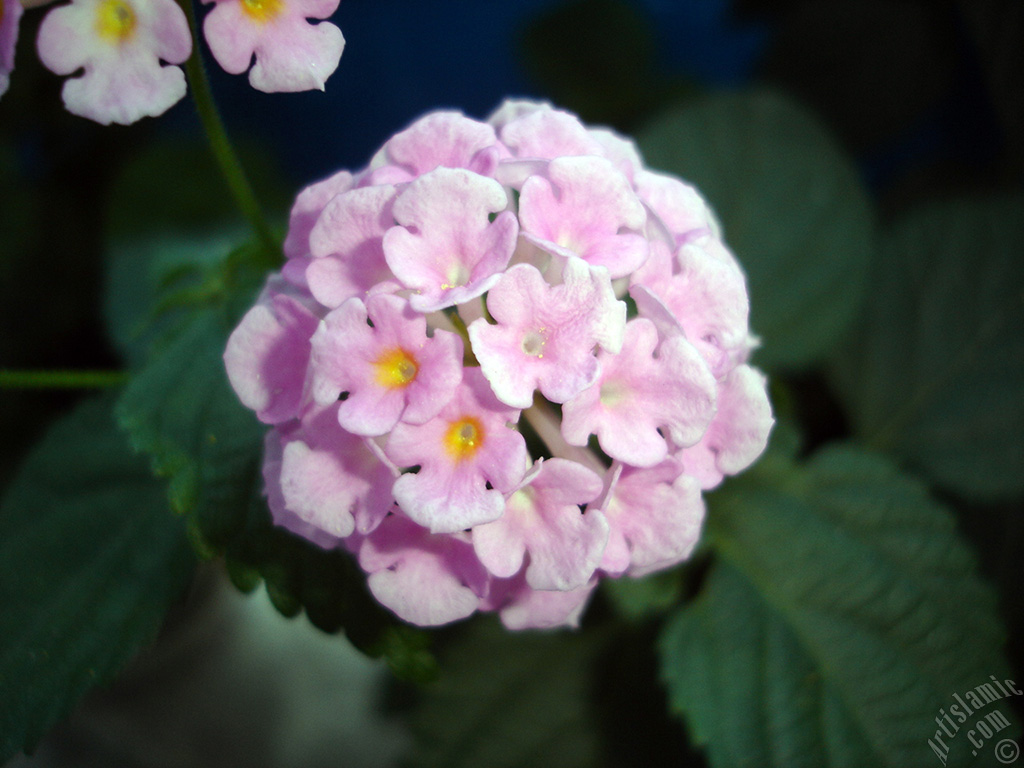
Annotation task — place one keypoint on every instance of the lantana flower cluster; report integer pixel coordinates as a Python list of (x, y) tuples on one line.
[(128, 50), (501, 363)]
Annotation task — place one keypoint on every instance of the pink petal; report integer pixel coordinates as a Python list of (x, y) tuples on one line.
[(445, 248)]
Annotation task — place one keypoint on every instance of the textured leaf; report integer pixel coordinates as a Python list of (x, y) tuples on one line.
[(181, 410), (792, 209), (748, 688), (936, 369), (846, 615), (144, 271), (90, 560), (506, 700)]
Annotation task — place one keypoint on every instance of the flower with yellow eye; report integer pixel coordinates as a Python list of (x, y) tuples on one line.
[(120, 45)]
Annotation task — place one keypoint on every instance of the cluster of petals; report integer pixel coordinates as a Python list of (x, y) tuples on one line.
[(129, 51), (501, 363)]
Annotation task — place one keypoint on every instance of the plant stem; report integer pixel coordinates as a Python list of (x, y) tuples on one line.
[(221, 146), (61, 379), (542, 418)]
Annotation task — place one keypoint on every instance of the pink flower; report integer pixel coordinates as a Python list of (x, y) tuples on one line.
[(346, 245), (439, 140), (268, 353), (449, 335), (291, 53), (739, 432), (654, 516), (543, 518), (581, 208), (424, 578), (468, 459), (522, 607), (10, 15), (390, 371), (445, 247), (330, 479), (545, 335), (649, 385), (120, 44), (705, 292)]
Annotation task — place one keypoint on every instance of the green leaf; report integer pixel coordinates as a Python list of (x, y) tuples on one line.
[(845, 616), (792, 208), (748, 689), (90, 560), (181, 410), (935, 371), (639, 599), (509, 699), (145, 271)]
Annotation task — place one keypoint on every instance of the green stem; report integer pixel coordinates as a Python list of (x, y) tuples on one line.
[(459, 326), (221, 147), (61, 379)]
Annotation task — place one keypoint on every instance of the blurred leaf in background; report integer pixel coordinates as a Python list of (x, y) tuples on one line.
[(934, 372), (90, 562)]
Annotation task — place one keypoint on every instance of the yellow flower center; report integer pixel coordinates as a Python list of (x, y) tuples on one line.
[(456, 276), (464, 438), (115, 20), (262, 11), (395, 368)]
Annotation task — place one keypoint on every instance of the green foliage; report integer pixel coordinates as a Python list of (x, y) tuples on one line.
[(844, 616), (509, 699), (90, 560), (638, 599), (792, 209), (935, 370)]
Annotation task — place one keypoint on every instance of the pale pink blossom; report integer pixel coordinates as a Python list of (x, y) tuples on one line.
[(390, 371), (545, 335), (331, 479), (424, 578), (292, 53), (522, 607), (585, 207), (268, 352), (346, 246), (654, 515), (450, 340), (705, 291), (10, 16), (739, 432), (445, 247), (439, 140), (547, 133), (649, 385), (468, 459), (543, 519), (120, 45), (307, 208)]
